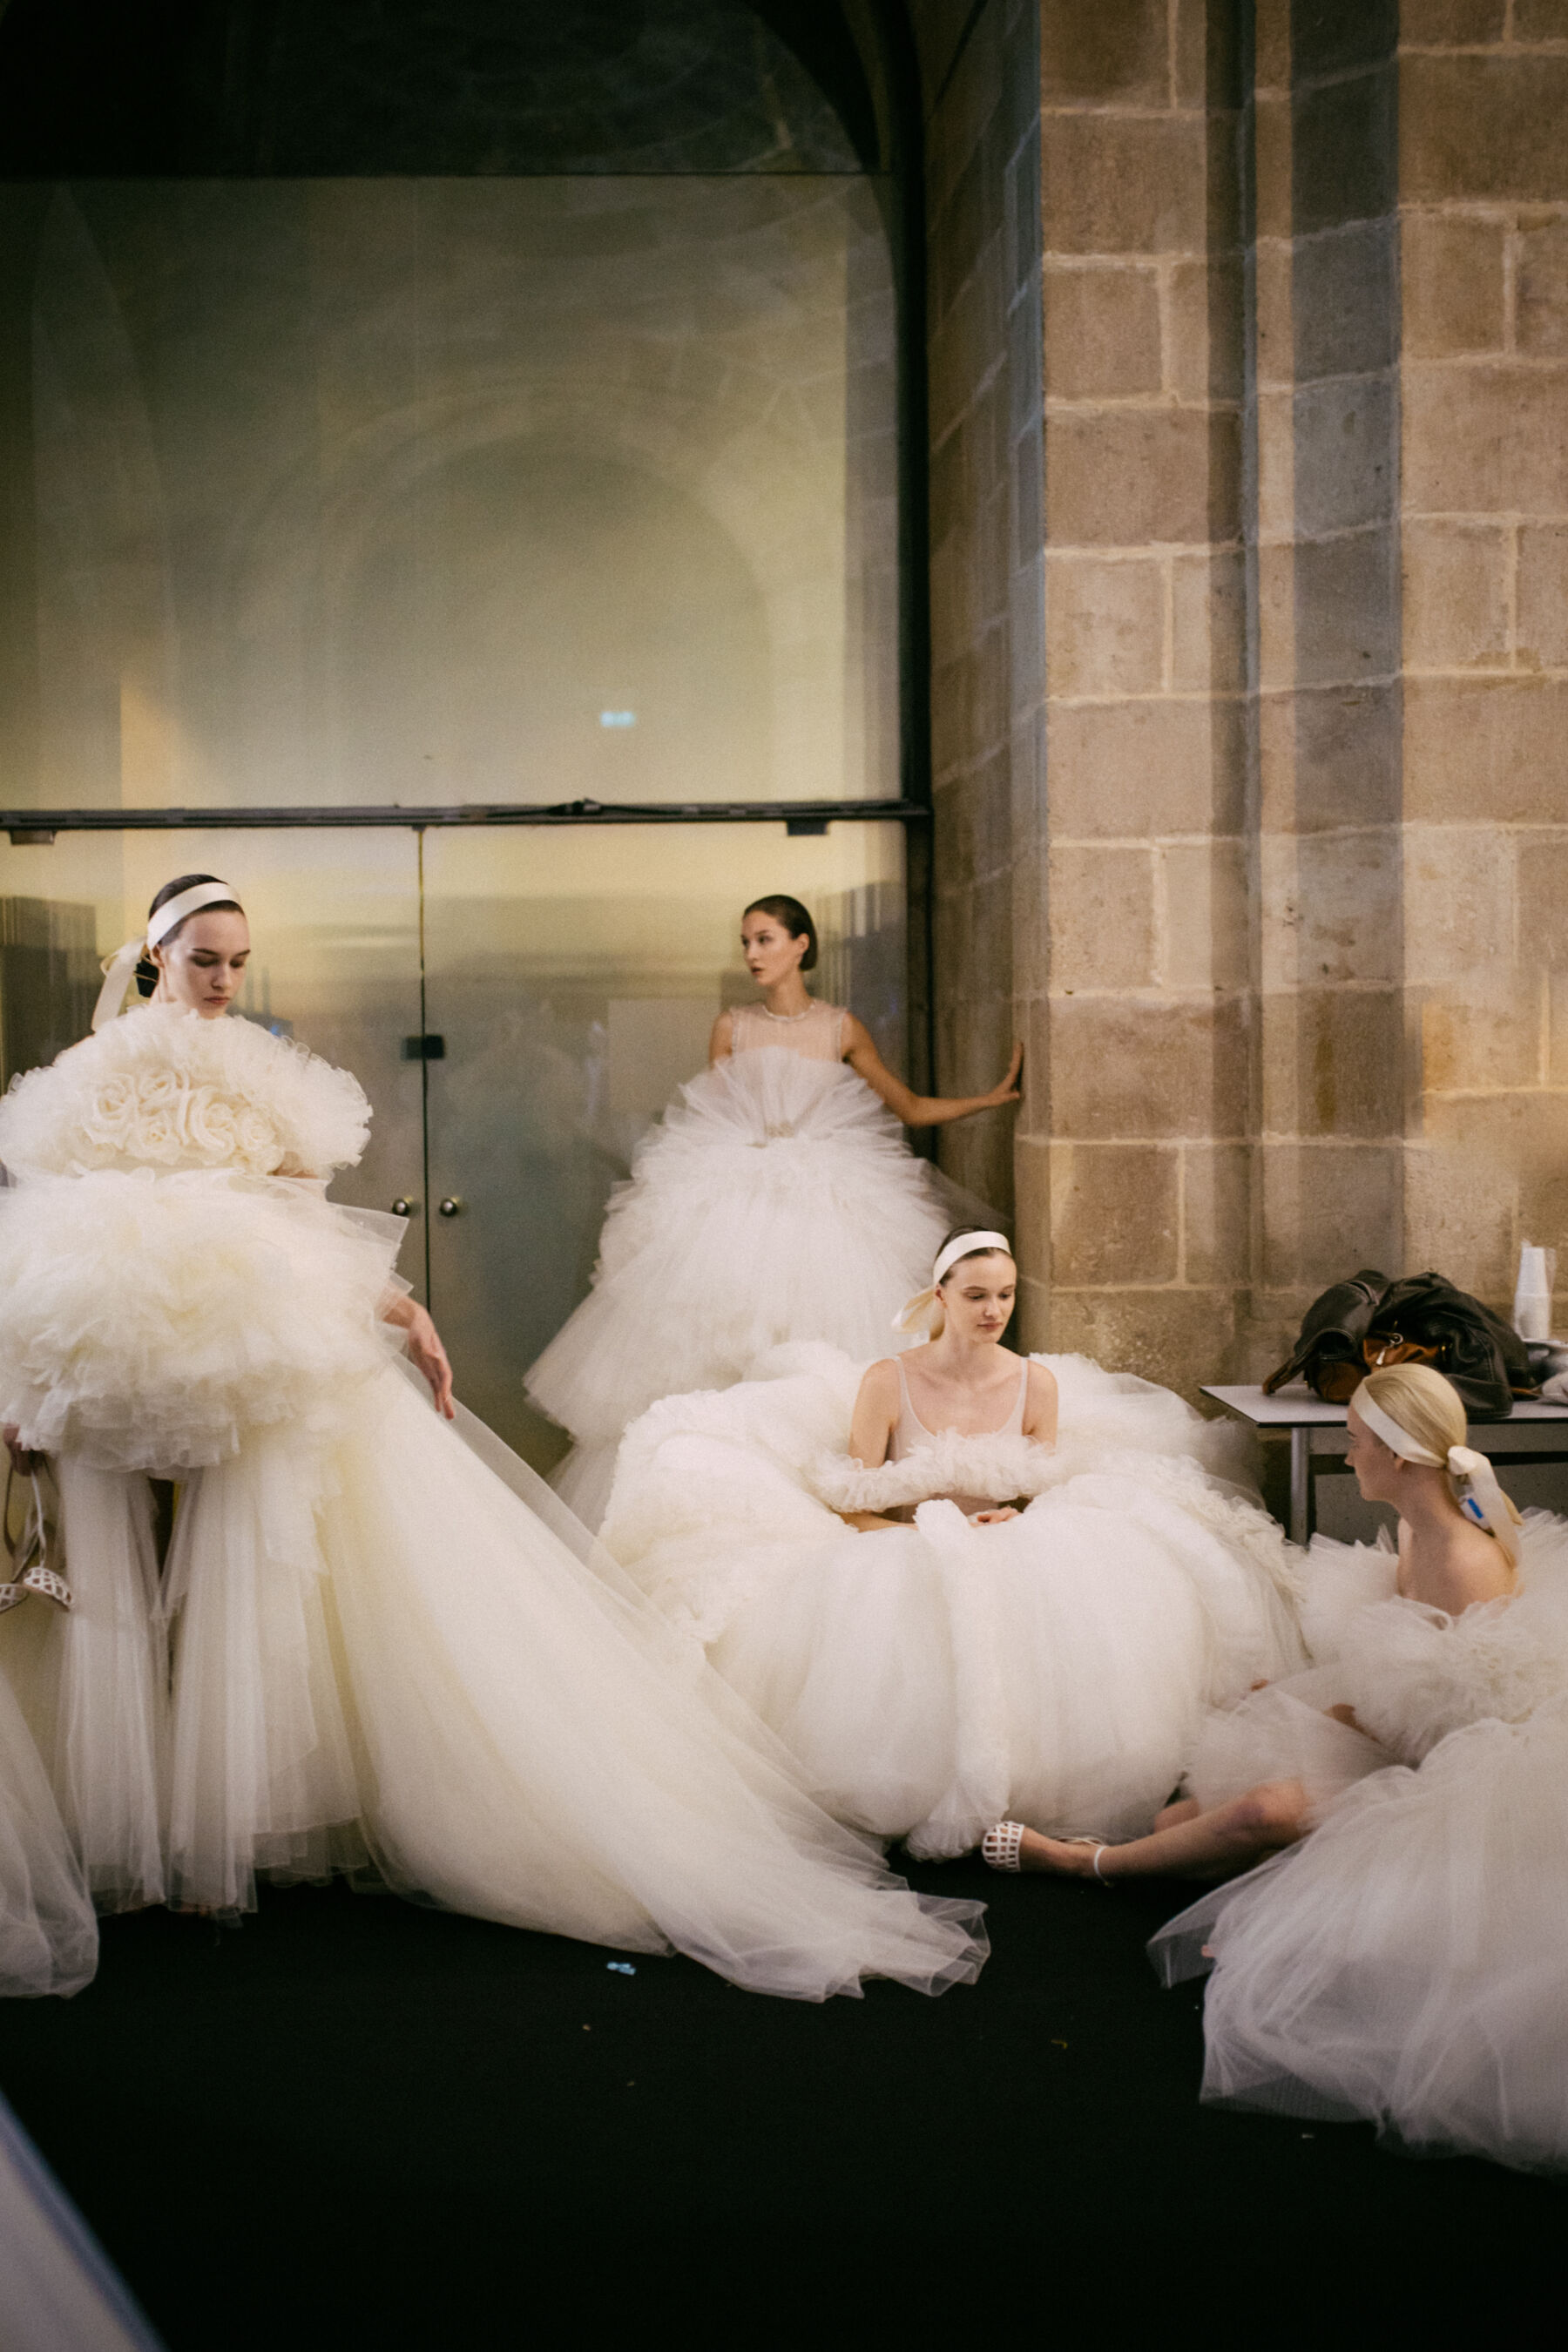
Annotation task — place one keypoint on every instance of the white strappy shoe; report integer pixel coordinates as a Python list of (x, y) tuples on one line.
[(1003, 1843)]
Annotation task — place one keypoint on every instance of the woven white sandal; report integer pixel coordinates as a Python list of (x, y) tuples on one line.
[(1001, 1845)]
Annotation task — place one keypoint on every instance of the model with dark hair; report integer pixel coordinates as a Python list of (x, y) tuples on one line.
[(776, 1200)]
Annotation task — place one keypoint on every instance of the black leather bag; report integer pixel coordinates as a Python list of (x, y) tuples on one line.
[(1369, 1321)]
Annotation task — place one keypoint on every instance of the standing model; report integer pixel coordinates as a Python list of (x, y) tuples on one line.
[(365, 1647), (776, 1200)]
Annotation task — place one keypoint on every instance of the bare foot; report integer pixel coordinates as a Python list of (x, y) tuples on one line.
[(1068, 1857)]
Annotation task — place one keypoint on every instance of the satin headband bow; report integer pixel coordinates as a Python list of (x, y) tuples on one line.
[(915, 1310), (118, 969), (1479, 1495)]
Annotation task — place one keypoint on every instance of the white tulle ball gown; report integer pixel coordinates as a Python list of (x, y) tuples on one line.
[(1404, 1964), (932, 1678), (365, 1646), (776, 1200)]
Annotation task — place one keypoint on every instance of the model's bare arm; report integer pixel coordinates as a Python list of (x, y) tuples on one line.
[(922, 1110), (721, 1045)]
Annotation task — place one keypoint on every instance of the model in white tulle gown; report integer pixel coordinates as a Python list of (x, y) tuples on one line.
[(1399, 1956), (366, 1646), (777, 1200), (929, 1675)]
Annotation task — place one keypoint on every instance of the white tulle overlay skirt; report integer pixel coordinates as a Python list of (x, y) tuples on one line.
[(1402, 1964), (776, 1200), (48, 1934), (380, 1652), (933, 1677)]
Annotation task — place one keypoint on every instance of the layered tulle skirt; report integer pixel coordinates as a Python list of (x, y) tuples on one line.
[(1404, 1964), (367, 1649), (777, 1201), (930, 1678)]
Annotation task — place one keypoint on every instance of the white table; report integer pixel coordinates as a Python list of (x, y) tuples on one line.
[(1534, 1432)]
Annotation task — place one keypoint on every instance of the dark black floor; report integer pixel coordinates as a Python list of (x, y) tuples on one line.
[(350, 2122)]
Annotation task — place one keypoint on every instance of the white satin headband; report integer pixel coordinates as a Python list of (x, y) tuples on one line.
[(1482, 1499), (962, 1246), (118, 970)]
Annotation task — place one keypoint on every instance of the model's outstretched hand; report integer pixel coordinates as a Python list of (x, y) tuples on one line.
[(1008, 1090)]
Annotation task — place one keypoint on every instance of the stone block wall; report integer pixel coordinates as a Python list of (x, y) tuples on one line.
[(1147, 1018), (1483, 170), (1284, 916)]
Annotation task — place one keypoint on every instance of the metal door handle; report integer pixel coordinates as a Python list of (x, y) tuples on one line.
[(451, 1207), (402, 1208)]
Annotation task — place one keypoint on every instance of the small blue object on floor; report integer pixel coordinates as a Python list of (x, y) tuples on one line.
[(620, 1967)]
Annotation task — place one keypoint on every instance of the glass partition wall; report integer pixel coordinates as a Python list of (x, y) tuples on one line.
[(433, 503)]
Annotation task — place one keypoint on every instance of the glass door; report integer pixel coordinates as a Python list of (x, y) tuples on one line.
[(518, 1003)]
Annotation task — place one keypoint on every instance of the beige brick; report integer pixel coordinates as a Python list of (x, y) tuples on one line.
[(1332, 1062), (1113, 1214), (1205, 927), (1471, 1048), (1272, 36), (1483, 126), (1274, 200), (1329, 1208), (1540, 290), (1481, 744), (1105, 624), (1102, 333), (1331, 904), (1132, 768), (1459, 907), (1102, 918), (1455, 596), (1541, 625), (1124, 184), (1216, 1196), (1543, 898), (1522, 1139), (1540, 20), (1275, 326), (1277, 465), (1436, 23), (1104, 55), (1486, 440), (1178, 1337), (1206, 345), (1209, 624), (1123, 477), (1556, 1016), (1459, 1210), (1452, 284), (1132, 1067)]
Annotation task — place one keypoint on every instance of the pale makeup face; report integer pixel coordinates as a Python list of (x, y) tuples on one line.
[(1375, 1464), (771, 953), (977, 1296), (203, 966)]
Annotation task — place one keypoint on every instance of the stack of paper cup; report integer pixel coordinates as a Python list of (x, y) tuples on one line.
[(1532, 1297)]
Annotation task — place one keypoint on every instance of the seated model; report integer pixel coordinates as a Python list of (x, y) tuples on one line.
[(944, 1603), (1397, 1952)]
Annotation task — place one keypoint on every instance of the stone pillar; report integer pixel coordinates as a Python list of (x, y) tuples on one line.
[(1146, 1024), (1325, 672), (1483, 186), (980, 76)]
